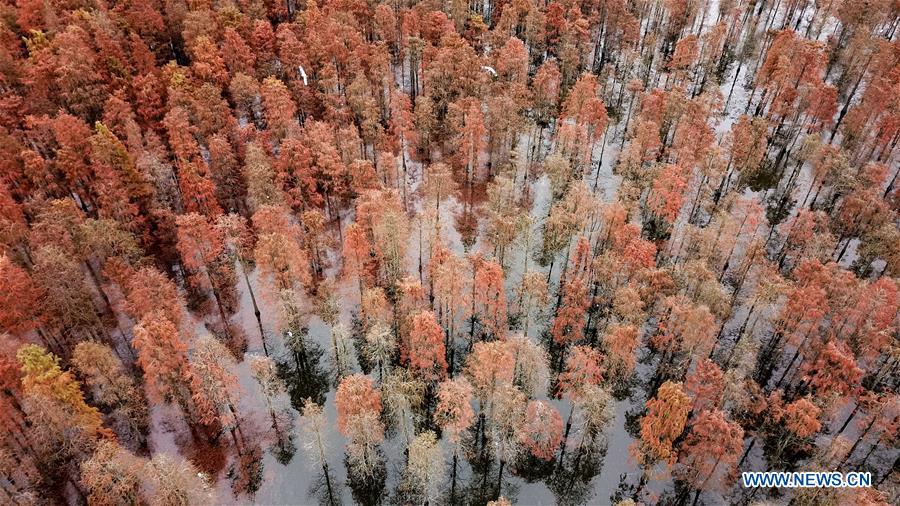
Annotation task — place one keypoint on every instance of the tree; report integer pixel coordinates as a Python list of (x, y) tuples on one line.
[(505, 220), (262, 190), (265, 372), (207, 63), (568, 326), (19, 297), (365, 432), (238, 56), (313, 426), (835, 372), (686, 53), (454, 415), (357, 256), (283, 263), (380, 347), (280, 109), (541, 431), (237, 243), (489, 366), (201, 245), (709, 452), (389, 227), (342, 354), (425, 468), (197, 189), (705, 385), (426, 353), (471, 139), (533, 295), (437, 186), (148, 290), (173, 480), (448, 280), (801, 421), (505, 424), (664, 422), (355, 396), (403, 396), (113, 389), (688, 327), (63, 429), (575, 382), (112, 476), (162, 355), (215, 386), (597, 410), (545, 90), (42, 375), (582, 370), (489, 301), (620, 343), (66, 300), (530, 365), (667, 194)]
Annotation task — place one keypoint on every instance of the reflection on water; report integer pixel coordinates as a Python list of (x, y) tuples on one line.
[(323, 488), (367, 488), (283, 437), (246, 472), (302, 372)]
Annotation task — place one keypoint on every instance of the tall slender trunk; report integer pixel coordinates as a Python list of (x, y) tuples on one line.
[(328, 484), (747, 452), (565, 439), (846, 106), (96, 279), (859, 440), (453, 477), (790, 364), (500, 478), (222, 313)]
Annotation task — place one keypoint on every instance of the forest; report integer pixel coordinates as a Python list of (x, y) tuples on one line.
[(610, 252)]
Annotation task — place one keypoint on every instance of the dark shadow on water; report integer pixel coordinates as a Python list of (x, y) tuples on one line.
[(572, 481), (358, 336), (326, 489), (482, 487), (632, 420), (624, 388), (283, 443), (765, 178), (624, 490), (532, 469), (367, 490), (778, 207), (304, 375), (246, 472), (466, 224)]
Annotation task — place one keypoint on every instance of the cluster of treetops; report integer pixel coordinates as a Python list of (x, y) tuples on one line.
[(721, 215)]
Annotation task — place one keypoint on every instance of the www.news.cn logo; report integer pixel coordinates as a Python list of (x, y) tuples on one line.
[(807, 479)]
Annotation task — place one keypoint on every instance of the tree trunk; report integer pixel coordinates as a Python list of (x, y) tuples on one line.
[(565, 439), (746, 452), (328, 484), (790, 365), (858, 440), (96, 279), (453, 477), (500, 478)]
